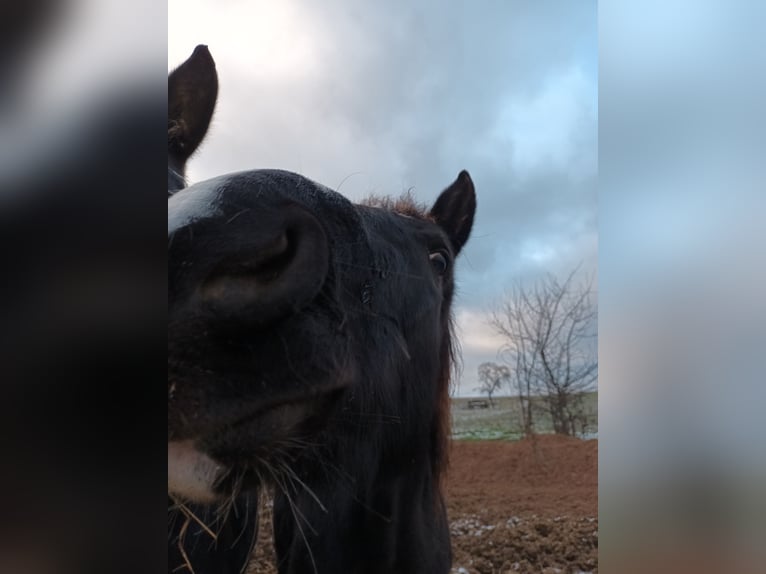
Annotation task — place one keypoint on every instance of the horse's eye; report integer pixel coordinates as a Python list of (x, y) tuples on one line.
[(439, 261)]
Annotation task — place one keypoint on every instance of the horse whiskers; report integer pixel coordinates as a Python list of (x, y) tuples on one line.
[(297, 514), (345, 477), (223, 511), (296, 442), (285, 490), (244, 522), (293, 476)]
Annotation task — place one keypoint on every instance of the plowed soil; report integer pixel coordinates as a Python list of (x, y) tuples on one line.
[(525, 506)]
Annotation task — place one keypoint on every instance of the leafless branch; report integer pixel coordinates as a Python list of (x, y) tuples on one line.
[(550, 332)]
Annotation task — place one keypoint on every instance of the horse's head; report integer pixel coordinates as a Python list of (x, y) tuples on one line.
[(297, 318)]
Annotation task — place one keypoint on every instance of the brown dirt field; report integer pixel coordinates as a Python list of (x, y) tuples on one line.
[(526, 506)]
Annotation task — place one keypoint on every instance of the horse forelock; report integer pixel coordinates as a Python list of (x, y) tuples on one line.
[(405, 204)]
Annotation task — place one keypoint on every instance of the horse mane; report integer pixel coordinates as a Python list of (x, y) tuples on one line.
[(408, 206), (405, 204)]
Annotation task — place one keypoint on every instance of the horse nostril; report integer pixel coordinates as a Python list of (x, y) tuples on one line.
[(271, 259), (276, 270), (237, 276)]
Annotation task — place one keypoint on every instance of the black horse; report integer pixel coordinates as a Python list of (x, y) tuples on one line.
[(310, 348), (201, 537)]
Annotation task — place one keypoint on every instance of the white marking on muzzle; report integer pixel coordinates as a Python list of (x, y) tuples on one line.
[(191, 473)]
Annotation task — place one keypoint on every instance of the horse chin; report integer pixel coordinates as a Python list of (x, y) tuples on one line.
[(211, 467), (283, 428), (192, 474)]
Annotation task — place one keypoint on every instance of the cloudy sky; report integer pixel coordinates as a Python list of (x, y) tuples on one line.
[(383, 97)]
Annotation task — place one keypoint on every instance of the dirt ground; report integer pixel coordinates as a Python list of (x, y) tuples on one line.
[(526, 506)]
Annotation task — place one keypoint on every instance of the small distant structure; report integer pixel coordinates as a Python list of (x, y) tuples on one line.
[(478, 404)]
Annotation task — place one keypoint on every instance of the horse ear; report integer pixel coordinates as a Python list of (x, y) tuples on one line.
[(454, 210), (192, 92)]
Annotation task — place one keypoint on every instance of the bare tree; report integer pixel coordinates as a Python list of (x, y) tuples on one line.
[(550, 328), (491, 378)]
